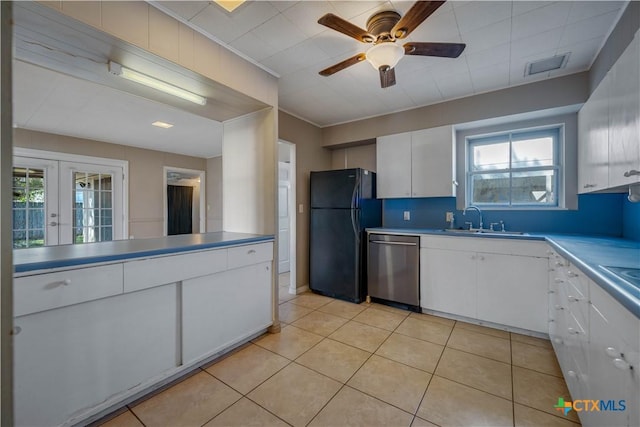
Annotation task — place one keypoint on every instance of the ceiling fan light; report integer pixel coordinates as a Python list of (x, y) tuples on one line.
[(385, 54)]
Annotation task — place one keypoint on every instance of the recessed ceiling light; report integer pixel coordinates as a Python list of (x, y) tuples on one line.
[(548, 64), (229, 5), (162, 125)]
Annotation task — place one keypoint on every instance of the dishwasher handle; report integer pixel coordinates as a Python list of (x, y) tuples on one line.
[(383, 242)]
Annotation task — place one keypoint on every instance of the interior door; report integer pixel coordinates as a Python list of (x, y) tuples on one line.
[(284, 194), (89, 208), (35, 202)]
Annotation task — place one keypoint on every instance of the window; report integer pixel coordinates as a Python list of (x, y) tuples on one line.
[(519, 169)]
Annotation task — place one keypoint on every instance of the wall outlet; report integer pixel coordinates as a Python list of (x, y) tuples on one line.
[(407, 216), (449, 217)]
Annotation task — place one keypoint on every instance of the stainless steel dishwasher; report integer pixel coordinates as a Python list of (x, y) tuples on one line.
[(393, 269)]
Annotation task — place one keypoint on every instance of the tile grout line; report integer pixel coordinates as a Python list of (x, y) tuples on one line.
[(513, 391)]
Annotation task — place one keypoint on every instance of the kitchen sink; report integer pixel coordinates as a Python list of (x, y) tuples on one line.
[(631, 275), (487, 232)]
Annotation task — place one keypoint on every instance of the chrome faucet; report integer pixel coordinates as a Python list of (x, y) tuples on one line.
[(464, 212)]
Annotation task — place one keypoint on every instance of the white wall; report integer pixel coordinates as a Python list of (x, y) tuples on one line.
[(249, 159)]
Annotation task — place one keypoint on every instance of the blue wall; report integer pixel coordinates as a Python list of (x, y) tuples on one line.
[(597, 214), (631, 220)]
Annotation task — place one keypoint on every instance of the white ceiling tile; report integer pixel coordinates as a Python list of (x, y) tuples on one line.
[(284, 4), (351, 9), (582, 53), (540, 20), (305, 16), (487, 37), (186, 9), (479, 14), (335, 44), (588, 28), (587, 9), (490, 78), (535, 44), (495, 55), (280, 32), (455, 86), (440, 28), (412, 63), (229, 26), (254, 47), (520, 7)]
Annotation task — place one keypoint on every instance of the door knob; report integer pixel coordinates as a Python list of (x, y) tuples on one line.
[(53, 223)]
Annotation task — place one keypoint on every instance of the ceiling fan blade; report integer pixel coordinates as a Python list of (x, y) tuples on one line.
[(420, 11), (347, 28), (344, 64), (387, 76), (445, 50)]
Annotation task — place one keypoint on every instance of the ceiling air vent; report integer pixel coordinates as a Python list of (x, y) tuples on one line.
[(548, 64)]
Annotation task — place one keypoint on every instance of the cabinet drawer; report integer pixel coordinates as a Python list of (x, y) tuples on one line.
[(241, 256), (151, 272), (41, 292)]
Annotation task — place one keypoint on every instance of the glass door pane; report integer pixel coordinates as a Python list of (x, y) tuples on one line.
[(91, 202), (34, 205), (92, 207)]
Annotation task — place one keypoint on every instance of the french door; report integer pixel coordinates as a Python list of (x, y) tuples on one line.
[(60, 202)]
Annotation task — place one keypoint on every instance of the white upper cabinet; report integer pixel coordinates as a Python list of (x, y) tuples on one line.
[(432, 162), (609, 127), (393, 166), (416, 164), (593, 140), (624, 117)]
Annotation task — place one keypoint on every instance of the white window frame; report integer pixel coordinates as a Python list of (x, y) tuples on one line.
[(101, 161), (558, 167)]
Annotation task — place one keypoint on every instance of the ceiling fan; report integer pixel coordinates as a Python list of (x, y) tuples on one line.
[(383, 29)]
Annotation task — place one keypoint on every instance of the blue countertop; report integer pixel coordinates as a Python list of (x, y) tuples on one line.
[(589, 253), (26, 260)]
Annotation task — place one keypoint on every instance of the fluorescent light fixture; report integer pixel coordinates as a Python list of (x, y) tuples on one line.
[(385, 54), (229, 5), (143, 79), (163, 125), (547, 64)]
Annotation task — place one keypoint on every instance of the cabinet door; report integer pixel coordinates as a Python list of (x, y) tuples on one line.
[(613, 349), (393, 161), (448, 281), (624, 117), (432, 162), (593, 140), (222, 309), (512, 290), (73, 358)]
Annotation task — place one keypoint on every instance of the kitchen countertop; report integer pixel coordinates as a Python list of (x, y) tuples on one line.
[(28, 260), (589, 253)]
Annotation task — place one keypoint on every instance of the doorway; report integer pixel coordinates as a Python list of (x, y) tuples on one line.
[(184, 201), (59, 198), (287, 216)]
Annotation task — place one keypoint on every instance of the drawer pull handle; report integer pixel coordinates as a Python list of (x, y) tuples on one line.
[(551, 292), (572, 274), (621, 364), (573, 299), (16, 330), (53, 285), (251, 251), (572, 374), (558, 280), (631, 173), (573, 331), (612, 352)]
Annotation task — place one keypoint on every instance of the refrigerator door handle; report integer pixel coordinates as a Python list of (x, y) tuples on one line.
[(354, 196)]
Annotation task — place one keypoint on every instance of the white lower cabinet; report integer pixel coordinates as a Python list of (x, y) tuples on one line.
[(597, 343), (222, 309), (512, 290), (79, 350), (447, 289), (73, 358), (494, 280)]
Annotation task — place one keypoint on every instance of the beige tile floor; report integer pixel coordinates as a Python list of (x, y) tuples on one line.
[(341, 364)]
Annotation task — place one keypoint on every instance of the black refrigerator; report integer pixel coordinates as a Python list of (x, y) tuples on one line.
[(343, 204)]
